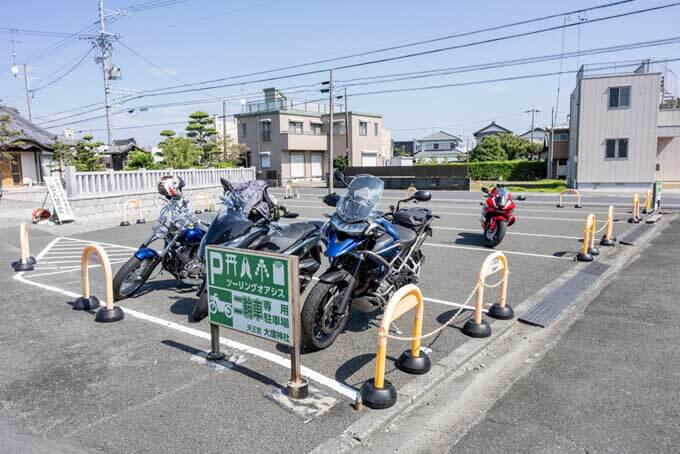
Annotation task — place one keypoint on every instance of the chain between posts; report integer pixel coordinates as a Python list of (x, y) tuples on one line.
[(432, 333)]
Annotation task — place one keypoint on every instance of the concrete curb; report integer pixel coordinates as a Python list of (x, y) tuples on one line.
[(617, 257)]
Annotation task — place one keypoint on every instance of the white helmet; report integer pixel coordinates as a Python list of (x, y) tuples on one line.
[(171, 186)]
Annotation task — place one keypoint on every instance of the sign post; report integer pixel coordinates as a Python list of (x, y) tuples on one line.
[(656, 201), (58, 196), (257, 293)]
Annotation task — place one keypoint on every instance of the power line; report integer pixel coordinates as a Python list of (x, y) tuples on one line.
[(69, 71), (40, 33), (154, 92)]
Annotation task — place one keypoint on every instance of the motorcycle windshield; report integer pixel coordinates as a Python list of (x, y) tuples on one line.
[(231, 222), (501, 198), (361, 198)]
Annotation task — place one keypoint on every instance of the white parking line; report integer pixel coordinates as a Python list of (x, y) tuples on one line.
[(542, 235), (481, 249), (328, 382)]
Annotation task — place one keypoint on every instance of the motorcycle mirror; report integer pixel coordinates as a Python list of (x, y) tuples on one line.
[(290, 215), (339, 175), (331, 199), (422, 196), (485, 190), (226, 185)]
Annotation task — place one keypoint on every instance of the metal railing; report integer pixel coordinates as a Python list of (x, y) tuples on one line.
[(83, 184), (289, 104)]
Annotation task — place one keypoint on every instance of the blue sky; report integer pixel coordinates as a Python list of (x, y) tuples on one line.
[(201, 39)]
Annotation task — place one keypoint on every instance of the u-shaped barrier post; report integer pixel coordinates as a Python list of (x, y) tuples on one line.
[(377, 392), (477, 326), (608, 238), (209, 203), (648, 203), (635, 216), (573, 192), (25, 262), (290, 192), (108, 313), (585, 255), (133, 203), (200, 196), (410, 191)]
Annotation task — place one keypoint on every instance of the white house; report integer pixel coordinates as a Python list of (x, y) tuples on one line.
[(441, 146)]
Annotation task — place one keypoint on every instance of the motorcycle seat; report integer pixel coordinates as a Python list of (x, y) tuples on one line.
[(406, 235), (290, 234)]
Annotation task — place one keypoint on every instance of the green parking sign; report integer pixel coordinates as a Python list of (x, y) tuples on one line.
[(253, 292)]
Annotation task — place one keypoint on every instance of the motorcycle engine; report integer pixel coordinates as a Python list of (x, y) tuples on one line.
[(191, 265)]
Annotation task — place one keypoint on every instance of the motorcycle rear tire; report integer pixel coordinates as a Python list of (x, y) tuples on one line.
[(498, 236), (200, 310), (127, 268), (318, 296)]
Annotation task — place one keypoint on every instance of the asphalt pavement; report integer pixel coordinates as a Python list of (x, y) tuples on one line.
[(143, 385)]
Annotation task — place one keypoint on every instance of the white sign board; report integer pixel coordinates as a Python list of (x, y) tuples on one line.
[(59, 201)]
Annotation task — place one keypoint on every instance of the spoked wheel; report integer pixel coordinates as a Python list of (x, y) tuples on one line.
[(131, 276), (493, 237), (321, 323)]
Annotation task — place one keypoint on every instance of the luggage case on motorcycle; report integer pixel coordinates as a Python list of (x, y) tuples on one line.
[(412, 217)]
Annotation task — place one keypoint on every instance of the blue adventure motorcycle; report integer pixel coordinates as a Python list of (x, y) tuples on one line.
[(371, 255), (181, 232)]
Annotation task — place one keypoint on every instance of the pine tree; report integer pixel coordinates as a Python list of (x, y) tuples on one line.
[(86, 158)]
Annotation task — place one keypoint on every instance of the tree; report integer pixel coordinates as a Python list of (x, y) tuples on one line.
[(86, 158), (340, 163), (179, 152), (140, 160), (489, 149), (200, 129), (8, 136), (63, 155)]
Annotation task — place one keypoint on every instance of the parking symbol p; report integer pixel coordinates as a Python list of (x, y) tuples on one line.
[(216, 266)]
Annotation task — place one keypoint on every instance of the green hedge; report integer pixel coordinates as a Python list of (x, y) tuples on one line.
[(508, 170)]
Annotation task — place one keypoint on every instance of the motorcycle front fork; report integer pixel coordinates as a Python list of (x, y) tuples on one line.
[(349, 289)]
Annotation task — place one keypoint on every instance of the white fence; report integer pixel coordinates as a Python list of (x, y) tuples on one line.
[(84, 184)]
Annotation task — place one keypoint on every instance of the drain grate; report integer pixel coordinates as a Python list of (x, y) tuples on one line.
[(555, 302)]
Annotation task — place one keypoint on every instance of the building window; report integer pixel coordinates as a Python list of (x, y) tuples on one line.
[(435, 146), (616, 149), (619, 97), (338, 128), (266, 131), (376, 129), (561, 137), (244, 130), (363, 128), (265, 160), (316, 129), (452, 145), (295, 127)]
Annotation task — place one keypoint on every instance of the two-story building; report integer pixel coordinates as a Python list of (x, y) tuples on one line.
[(287, 140), (440, 146), (492, 129), (624, 132)]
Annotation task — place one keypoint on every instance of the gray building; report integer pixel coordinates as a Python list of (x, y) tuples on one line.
[(624, 128), (492, 129)]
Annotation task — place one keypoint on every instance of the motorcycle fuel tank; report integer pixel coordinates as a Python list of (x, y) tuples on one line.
[(192, 236)]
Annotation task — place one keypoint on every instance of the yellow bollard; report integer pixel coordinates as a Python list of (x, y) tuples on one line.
[(132, 203), (608, 238), (560, 204), (585, 254), (379, 393), (108, 313), (635, 216), (25, 262), (200, 196), (648, 202), (477, 326)]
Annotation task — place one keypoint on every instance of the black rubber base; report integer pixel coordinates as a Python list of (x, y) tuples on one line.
[(559, 205), (606, 242), (208, 210), (105, 315), (521, 197), (416, 366), (82, 304), (32, 260), (124, 223), (197, 211), (634, 220), (378, 399), (473, 329), (578, 205), (141, 221), (581, 257), (212, 356), (18, 266), (593, 251), (500, 313)]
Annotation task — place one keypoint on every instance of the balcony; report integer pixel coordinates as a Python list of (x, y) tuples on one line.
[(303, 140), (299, 105)]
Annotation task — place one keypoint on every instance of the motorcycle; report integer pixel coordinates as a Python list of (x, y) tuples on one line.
[(181, 232), (248, 220), (371, 255), (497, 214)]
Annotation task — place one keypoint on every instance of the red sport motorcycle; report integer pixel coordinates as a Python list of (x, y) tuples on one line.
[(497, 214)]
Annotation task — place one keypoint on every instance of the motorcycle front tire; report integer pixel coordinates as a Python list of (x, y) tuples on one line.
[(316, 301), (200, 310), (498, 236), (129, 267)]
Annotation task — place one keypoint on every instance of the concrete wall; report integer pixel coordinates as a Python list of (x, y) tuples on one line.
[(668, 159), (637, 123)]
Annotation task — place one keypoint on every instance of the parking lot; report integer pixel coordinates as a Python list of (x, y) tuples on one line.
[(143, 384)]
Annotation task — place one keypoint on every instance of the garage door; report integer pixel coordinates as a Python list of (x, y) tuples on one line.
[(297, 165), (317, 165), (369, 160)]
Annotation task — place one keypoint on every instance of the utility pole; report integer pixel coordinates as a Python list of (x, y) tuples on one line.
[(329, 90), (347, 151), (28, 92), (533, 111), (224, 128), (551, 144), (105, 43)]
